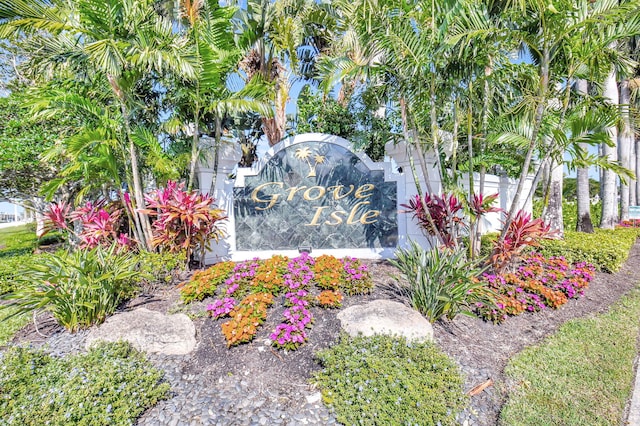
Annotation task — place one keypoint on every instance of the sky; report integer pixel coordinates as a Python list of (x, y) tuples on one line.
[(8, 208)]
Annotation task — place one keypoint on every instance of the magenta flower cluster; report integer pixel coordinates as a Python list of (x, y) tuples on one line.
[(357, 276), (243, 272), (221, 307), (291, 333)]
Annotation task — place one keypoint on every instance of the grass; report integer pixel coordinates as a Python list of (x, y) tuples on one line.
[(17, 240), (17, 245), (581, 375)]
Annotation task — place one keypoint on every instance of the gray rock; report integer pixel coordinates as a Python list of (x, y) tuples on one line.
[(385, 317), (314, 398), (148, 331)]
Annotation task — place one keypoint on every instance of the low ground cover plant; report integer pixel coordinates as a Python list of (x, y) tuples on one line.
[(538, 283), (111, 385), (384, 380), (581, 375), (245, 290)]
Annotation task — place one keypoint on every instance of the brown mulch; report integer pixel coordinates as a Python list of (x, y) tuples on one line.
[(482, 349)]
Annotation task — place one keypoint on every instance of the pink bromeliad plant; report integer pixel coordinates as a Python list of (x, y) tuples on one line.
[(99, 223)]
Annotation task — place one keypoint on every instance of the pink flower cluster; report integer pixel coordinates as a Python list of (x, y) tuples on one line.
[(221, 307), (291, 333), (357, 279), (243, 273)]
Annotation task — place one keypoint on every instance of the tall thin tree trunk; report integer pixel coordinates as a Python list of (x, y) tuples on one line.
[(637, 171), (195, 148), (583, 196), (553, 212), (633, 193), (609, 190), (542, 101), (625, 140), (474, 222)]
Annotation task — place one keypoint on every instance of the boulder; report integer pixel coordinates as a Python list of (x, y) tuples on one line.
[(148, 331), (386, 317)]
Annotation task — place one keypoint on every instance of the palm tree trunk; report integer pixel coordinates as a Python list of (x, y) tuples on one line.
[(583, 195), (633, 194), (195, 149), (542, 101), (637, 171), (625, 140), (553, 214), (609, 190)]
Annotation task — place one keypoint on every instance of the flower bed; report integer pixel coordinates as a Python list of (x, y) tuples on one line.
[(245, 291), (538, 283)]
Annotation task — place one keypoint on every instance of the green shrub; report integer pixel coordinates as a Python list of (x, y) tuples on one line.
[(159, 269), (54, 237), (607, 250), (438, 283), (383, 380), (111, 385), (80, 289), (486, 244)]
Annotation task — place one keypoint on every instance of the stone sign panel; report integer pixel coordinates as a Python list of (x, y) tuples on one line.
[(314, 192)]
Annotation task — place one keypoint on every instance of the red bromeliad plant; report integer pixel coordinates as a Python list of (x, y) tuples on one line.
[(56, 217), (438, 216), (478, 206), (482, 204), (185, 220), (522, 232)]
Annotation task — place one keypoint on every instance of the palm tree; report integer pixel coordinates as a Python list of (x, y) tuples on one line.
[(202, 103), (117, 43), (271, 35), (610, 153)]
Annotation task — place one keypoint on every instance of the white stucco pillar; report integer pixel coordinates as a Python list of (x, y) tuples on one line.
[(229, 154), (408, 228)]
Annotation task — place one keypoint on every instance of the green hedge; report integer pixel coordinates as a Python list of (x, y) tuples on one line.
[(607, 250)]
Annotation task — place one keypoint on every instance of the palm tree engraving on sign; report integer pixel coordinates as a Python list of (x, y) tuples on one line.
[(305, 153)]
